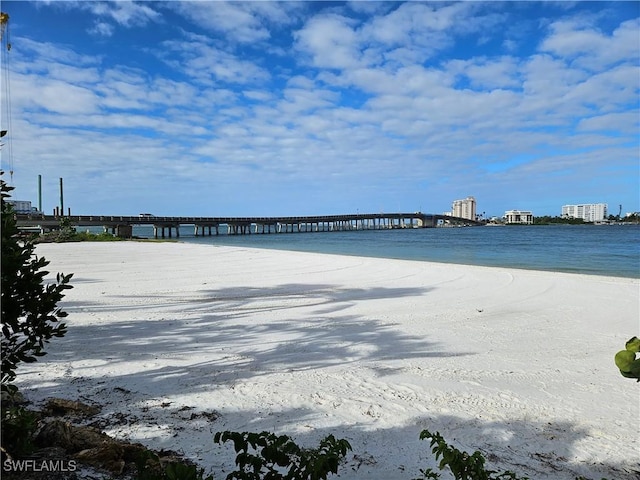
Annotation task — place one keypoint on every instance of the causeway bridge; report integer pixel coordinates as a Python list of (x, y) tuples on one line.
[(165, 226)]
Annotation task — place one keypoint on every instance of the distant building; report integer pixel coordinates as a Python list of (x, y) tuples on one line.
[(518, 216), (593, 212), (22, 206), (464, 208)]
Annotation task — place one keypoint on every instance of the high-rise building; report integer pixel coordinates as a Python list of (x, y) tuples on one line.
[(593, 212), (464, 208)]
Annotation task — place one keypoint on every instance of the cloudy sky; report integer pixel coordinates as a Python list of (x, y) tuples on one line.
[(214, 108)]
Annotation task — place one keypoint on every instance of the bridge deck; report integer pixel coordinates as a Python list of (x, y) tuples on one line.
[(122, 225)]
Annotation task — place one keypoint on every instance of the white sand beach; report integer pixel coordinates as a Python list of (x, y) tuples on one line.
[(178, 341)]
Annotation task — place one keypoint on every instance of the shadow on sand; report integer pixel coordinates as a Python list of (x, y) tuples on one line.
[(222, 323)]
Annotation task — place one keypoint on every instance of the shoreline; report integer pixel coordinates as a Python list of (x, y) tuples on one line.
[(516, 363), (581, 250), (530, 269), (587, 250)]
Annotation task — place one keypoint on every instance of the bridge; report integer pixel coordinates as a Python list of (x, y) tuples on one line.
[(164, 226)]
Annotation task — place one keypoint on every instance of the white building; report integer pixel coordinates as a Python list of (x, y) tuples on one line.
[(21, 206), (464, 208), (518, 216), (593, 212)]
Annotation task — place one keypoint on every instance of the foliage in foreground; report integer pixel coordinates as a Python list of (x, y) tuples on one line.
[(30, 315), (627, 361), (266, 456), (462, 465), (18, 429)]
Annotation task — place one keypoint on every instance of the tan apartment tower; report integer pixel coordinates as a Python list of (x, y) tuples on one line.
[(464, 208)]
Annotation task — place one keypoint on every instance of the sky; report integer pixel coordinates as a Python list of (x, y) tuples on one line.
[(214, 108)]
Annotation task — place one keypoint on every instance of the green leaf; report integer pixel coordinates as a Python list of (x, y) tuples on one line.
[(624, 359), (633, 345)]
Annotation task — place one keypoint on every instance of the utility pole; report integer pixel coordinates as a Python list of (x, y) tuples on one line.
[(40, 193), (61, 199)]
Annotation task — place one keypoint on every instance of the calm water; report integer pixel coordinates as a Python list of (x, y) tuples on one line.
[(598, 250)]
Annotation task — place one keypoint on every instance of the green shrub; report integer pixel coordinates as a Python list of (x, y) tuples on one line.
[(30, 316), (279, 458), (18, 429), (69, 234), (626, 359), (462, 465), (95, 237)]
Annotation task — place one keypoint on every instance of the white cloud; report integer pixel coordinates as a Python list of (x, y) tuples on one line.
[(258, 95), (229, 18), (242, 22), (589, 47), (546, 80), (199, 59), (488, 74), (623, 122), (412, 32), (46, 52), (330, 42), (102, 29), (123, 12), (609, 90), (54, 96), (299, 100)]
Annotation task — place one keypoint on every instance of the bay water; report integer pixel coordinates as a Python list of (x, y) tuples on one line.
[(612, 250)]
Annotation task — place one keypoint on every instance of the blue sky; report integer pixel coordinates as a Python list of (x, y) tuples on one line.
[(301, 108)]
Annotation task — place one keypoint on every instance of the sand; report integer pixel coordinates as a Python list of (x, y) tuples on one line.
[(178, 341)]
